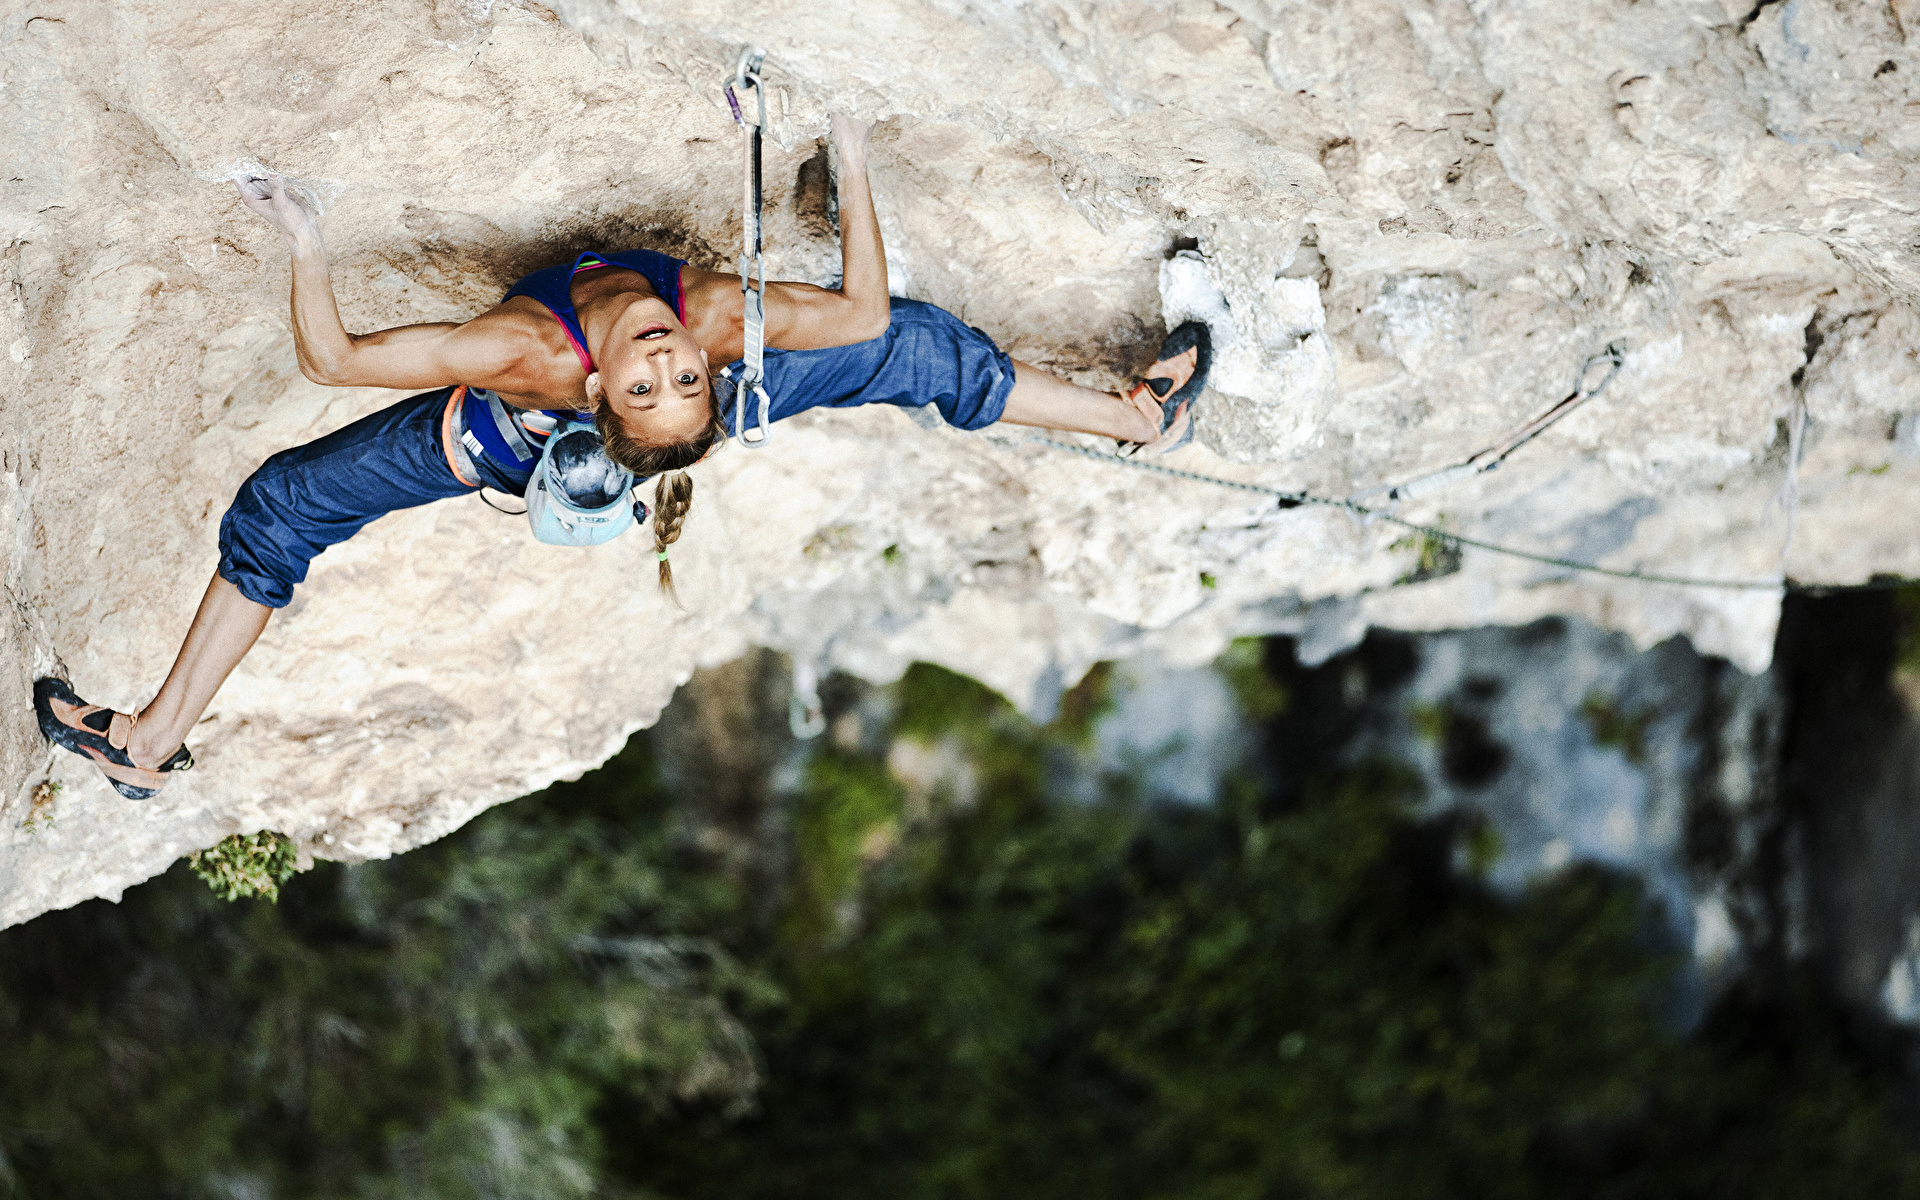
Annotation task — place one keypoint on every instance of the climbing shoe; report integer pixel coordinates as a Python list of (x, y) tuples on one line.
[(1168, 389), (98, 733)]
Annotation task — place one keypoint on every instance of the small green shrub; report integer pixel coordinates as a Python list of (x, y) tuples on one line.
[(1437, 554), (246, 864), (40, 814)]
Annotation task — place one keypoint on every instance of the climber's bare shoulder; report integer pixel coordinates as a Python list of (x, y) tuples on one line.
[(713, 312), (530, 360), (800, 316), (515, 349)]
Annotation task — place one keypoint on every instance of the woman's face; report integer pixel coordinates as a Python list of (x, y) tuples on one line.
[(654, 375)]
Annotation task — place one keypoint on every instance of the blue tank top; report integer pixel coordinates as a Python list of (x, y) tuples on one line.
[(501, 432), (552, 287)]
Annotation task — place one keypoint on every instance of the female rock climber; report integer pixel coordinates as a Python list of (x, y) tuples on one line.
[(630, 337)]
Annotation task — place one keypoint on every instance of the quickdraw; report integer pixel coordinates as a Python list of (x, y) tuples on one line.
[(753, 263), (1490, 458)]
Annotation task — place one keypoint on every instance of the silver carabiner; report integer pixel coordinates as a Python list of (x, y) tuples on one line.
[(740, 414)]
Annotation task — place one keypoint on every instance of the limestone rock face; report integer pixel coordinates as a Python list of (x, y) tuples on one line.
[(1422, 215)]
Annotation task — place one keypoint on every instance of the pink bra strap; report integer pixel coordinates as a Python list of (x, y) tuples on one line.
[(586, 360)]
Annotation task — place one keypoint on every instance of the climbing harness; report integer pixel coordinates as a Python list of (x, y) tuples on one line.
[(753, 263), (1287, 500), (1490, 458)]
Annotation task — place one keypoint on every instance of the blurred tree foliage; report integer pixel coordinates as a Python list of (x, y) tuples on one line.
[(985, 992), (1272, 997), (439, 1024)]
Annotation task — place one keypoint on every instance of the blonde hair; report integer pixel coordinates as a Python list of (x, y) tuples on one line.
[(673, 495), (672, 500)]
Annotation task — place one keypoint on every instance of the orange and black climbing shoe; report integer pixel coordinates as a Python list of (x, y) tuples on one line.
[(99, 733), (1170, 386)]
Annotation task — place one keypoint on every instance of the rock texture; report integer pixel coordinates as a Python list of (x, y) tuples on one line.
[(1422, 214)]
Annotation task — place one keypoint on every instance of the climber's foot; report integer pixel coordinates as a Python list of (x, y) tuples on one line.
[(100, 734), (1165, 394)]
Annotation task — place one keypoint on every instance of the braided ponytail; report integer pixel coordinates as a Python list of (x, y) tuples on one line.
[(673, 495), (672, 500)]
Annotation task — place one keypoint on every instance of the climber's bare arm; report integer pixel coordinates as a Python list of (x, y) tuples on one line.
[(491, 350), (801, 316)]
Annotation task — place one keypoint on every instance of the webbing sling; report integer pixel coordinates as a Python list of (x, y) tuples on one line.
[(753, 262)]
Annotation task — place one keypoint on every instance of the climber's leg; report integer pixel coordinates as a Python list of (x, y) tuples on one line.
[(305, 499), (223, 630), (1048, 402), (1154, 414), (930, 358), (297, 504)]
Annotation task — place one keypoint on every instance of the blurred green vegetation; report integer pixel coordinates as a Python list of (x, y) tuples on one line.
[(246, 864), (981, 991), (1431, 721), (1260, 696), (439, 1024), (1436, 554), (1616, 729), (1906, 602)]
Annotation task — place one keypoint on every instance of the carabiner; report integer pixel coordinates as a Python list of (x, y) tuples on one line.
[(740, 414)]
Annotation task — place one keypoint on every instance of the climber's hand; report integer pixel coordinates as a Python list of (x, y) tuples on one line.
[(850, 137), (280, 208)]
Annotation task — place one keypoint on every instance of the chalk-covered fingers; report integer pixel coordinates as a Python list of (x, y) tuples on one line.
[(850, 136), (267, 195)]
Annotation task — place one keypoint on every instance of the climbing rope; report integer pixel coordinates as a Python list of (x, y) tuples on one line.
[(1287, 500)]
